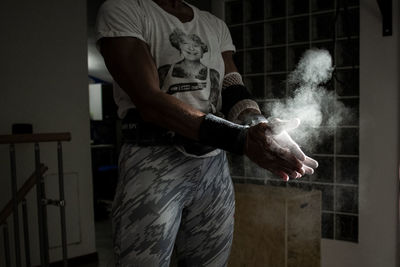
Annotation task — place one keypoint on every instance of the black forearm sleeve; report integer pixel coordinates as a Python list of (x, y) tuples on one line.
[(231, 95), (217, 132)]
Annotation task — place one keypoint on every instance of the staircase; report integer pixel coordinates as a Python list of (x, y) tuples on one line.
[(18, 199)]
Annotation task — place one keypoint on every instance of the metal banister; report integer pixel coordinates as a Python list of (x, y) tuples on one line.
[(18, 195), (22, 192), (34, 138)]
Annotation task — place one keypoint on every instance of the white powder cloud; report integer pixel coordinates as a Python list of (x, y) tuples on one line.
[(311, 102)]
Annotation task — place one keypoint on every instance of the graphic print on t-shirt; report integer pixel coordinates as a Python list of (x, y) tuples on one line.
[(189, 79)]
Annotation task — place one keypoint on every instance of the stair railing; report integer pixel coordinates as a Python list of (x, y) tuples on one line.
[(18, 196)]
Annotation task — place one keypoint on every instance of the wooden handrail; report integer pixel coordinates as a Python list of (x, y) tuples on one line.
[(22, 192), (34, 138)]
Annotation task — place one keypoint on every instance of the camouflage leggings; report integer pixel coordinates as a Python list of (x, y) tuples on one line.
[(165, 198)]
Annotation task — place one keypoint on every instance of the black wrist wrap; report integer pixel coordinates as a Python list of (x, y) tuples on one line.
[(253, 119), (231, 95), (217, 132)]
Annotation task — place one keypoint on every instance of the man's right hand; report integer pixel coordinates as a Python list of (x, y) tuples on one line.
[(280, 129), (263, 149)]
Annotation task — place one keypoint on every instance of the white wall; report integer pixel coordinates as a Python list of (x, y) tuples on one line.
[(379, 148), (43, 71)]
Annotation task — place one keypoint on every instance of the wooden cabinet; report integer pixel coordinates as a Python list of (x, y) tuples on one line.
[(276, 227)]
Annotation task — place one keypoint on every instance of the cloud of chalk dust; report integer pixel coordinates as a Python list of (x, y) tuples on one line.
[(317, 107)]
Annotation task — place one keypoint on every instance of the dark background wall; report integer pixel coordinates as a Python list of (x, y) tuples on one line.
[(44, 82)]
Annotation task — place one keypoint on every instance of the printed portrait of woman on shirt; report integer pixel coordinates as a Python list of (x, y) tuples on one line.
[(189, 78)]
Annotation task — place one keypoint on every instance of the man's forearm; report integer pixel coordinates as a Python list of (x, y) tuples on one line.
[(169, 112)]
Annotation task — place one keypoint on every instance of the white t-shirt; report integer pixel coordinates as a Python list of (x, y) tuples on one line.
[(187, 55)]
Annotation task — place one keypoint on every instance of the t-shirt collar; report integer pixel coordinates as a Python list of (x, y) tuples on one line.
[(194, 10)]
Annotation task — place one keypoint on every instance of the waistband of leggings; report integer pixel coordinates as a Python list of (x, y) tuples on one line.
[(138, 132)]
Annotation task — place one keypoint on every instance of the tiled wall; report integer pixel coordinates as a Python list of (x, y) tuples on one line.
[(270, 37)]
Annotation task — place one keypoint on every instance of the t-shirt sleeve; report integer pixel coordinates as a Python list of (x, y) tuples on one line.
[(120, 19), (226, 43)]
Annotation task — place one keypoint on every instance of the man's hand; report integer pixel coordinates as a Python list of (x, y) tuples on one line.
[(270, 146), (279, 130), (268, 154)]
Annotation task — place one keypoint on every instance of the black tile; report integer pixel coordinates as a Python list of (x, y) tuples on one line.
[(351, 113), (271, 176), (325, 141), (330, 85), (324, 145), (349, 23), (324, 172), (347, 82), (253, 35), (237, 36), (275, 32), (348, 53), (298, 30), (276, 59), (347, 141), (296, 7), (348, 3), (236, 164), (254, 61), (327, 108), (346, 199), (255, 84), (253, 10), (347, 170), (327, 46), (319, 5), (263, 105), (276, 86), (253, 170), (239, 61), (267, 105), (294, 55), (234, 12), (327, 225), (275, 8), (327, 196), (322, 26), (346, 227)]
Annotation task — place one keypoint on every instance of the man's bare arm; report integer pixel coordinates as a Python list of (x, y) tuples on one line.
[(132, 67), (130, 63)]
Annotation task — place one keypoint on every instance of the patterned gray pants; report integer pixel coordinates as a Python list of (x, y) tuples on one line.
[(165, 198)]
